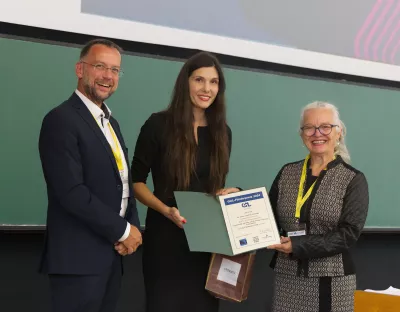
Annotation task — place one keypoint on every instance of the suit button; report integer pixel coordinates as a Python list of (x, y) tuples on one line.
[(119, 187)]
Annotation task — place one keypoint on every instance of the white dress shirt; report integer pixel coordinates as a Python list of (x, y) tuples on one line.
[(103, 123)]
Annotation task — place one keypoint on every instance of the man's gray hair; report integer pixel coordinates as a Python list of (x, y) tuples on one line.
[(105, 42)]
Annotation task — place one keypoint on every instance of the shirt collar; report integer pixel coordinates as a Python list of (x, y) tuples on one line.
[(96, 111)]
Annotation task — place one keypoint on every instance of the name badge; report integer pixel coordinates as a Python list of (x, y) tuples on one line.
[(296, 233)]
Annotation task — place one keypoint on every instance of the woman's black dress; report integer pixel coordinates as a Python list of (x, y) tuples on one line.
[(174, 277)]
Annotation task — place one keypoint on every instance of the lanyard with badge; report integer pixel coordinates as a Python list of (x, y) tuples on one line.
[(301, 199), (116, 151), (118, 158)]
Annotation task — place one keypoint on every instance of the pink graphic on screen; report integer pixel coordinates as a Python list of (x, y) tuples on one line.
[(357, 29), (378, 38)]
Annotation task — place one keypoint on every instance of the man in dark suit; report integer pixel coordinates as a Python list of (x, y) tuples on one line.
[(92, 218)]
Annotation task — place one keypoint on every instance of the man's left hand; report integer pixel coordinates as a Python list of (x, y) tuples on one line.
[(121, 249)]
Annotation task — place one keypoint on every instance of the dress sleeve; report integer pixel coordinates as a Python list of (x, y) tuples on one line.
[(146, 149), (229, 139)]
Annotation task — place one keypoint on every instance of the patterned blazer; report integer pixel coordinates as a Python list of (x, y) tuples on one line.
[(333, 217)]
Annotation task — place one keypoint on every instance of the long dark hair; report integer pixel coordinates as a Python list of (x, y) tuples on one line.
[(180, 157)]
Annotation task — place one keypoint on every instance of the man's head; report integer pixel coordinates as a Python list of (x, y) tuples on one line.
[(99, 69)]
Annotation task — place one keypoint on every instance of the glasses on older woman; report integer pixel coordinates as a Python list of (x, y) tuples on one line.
[(324, 129)]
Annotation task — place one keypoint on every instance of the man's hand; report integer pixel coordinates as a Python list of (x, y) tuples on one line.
[(121, 249), (133, 241)]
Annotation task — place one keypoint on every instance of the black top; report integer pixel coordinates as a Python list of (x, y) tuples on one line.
[(149, 156), (310, 179)]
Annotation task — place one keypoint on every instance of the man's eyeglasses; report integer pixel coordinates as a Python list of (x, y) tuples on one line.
[(323, 129), (102, 68)]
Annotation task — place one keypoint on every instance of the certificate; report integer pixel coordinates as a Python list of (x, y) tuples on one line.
[(230, 224), (249, 220)]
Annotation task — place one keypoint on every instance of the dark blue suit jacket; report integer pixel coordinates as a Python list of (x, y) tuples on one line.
[(84, 191)]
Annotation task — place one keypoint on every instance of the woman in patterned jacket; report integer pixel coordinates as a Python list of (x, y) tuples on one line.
[(321, 205)]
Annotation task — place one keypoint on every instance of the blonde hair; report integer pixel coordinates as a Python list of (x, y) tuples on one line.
[(340, 148)]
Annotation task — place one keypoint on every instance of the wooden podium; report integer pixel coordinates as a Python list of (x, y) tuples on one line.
[(372, 302)]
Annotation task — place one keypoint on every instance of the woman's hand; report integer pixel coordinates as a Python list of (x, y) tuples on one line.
[(285, 246), (227, 191), (174, 215)]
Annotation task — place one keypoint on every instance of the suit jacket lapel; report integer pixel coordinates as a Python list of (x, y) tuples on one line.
[(83, 111)]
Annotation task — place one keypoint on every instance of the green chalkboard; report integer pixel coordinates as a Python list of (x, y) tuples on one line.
[(263, 112)]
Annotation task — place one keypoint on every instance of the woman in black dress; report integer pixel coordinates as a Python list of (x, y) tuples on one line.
[(186, 147)]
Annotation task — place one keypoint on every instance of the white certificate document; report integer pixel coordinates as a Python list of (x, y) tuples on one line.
[(249, 220)]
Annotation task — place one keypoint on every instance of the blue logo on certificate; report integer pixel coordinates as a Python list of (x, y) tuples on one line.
[(243, 198), (243, 242)]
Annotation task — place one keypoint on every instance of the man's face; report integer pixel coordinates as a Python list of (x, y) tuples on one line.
[(98, 73)]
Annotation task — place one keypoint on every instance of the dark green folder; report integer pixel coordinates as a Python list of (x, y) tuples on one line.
[(205, 228)]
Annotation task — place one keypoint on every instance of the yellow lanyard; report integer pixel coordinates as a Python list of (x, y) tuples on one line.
[(300, 198), (116, 151)]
